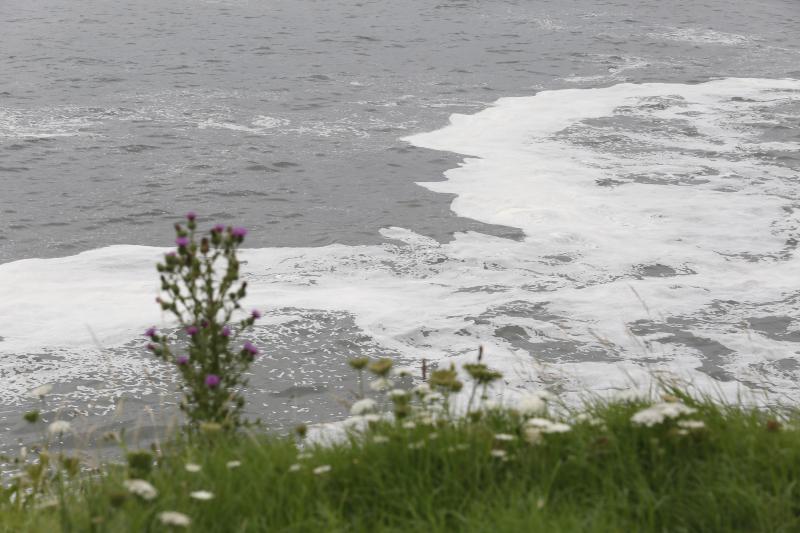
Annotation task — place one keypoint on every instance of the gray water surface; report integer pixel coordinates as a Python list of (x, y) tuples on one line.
[(284, 116)]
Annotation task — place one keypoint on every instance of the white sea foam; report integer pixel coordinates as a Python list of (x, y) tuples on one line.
[(620, 65), (264, 125), (43, 123), (653, 233), (260, 125), (265, 122), (702, 36)]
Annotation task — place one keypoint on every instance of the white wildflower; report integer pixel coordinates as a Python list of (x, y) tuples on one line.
[(381, 384), (674, 410), (504, 437), (141, 488), (372, 417), (233, 464), (23, 454), (648, 417), (59, 427), (203, 495), (434, 397), (422, 389), (587, 418), (427, 421), (416, 445), (362, 406), (433, 436), (691, 424), (433, 408), (354, 421), (557, 427), (397, 394), (404, 371), (295, 467), (657, 413), (192, 467), (324, 469), (41, 391), (380, 439), (544, 425), (302, 456), (500, 454), (538, 423), (409, 424), (174, 518), (531, 404), (533, 435)]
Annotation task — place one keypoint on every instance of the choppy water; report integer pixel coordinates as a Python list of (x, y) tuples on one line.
[(604, 231)]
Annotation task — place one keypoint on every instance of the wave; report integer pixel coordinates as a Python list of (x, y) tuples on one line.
[(660, 229)]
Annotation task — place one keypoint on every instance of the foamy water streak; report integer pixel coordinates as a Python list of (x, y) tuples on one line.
[(660, 226)]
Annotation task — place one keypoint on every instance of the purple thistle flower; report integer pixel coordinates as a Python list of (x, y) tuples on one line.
[(239, 232), (255, 313), (182, 241), (152, 347), (151, 332), (171, 254), (182, 360), (226, 331), (249, 349), (218, 228), (192, 330), (204, 323), (191, 215), (212, 380)]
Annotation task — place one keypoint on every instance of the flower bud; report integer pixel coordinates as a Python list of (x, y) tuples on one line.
[(249, 350), (238, 234)]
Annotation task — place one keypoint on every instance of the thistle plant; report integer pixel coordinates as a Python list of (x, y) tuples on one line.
[(200, 287)]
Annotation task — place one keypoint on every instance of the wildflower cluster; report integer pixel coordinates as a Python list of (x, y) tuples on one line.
[(201, 289), (424, 403)]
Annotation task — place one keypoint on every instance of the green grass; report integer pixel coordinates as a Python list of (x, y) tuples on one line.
[(740, 473)]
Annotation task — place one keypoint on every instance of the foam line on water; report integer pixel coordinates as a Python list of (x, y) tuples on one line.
[(656, 231)]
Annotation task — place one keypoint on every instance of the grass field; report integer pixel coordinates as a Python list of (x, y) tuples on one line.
[(719, 468)]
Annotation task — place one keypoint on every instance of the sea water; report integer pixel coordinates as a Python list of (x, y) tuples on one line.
[(596, 193)]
